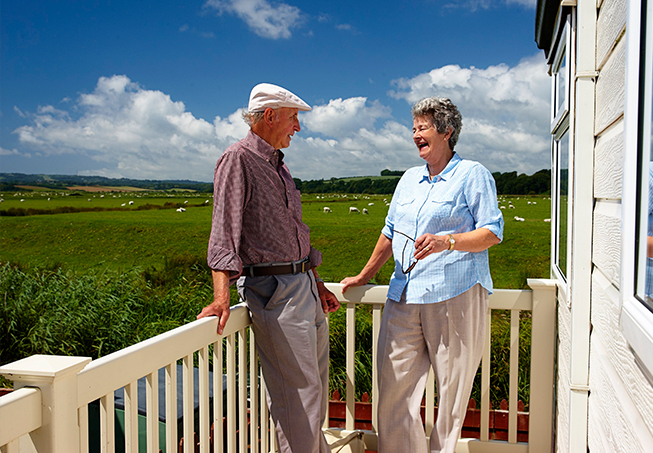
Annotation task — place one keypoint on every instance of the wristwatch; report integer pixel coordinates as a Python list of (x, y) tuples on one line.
[(452, 242)]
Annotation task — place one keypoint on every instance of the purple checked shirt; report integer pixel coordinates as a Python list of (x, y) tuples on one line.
[(257, 211)]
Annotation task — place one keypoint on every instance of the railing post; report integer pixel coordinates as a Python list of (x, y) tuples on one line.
[(540, 429), (56, 377)]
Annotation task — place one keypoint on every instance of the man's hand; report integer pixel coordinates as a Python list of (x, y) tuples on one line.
[(221, 300), (220, 309), (329, 300)]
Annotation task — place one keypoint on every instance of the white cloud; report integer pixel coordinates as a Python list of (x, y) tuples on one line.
[(132, 131), (475, 5), (12, 152), (267, 20), (505, 110), (341, 117)]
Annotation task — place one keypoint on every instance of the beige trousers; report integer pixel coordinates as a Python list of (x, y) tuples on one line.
[(448, 336), (292, 341)]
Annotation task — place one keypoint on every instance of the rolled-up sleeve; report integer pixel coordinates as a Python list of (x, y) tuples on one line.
[(229, 200), (481, 195)]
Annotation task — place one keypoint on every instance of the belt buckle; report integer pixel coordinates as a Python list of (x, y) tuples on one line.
[(304, 266)]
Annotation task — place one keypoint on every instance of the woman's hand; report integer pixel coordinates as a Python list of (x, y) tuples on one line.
[(349, 282), (430, 243)]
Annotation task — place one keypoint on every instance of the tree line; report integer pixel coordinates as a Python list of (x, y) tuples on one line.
[(508, 183)]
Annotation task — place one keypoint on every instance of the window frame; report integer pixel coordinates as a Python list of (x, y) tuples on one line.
[(561, 130), (562, 133), (636, 320)]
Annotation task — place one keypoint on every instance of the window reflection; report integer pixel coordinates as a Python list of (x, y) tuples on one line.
[(563, 190), (561, 86)]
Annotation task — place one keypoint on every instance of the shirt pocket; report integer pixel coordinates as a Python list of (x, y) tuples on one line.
[(405, 207), (442, 206)]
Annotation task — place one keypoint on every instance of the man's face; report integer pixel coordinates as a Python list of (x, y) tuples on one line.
[(284, 127)]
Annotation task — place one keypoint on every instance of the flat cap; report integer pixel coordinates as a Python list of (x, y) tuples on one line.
[(266, 95)]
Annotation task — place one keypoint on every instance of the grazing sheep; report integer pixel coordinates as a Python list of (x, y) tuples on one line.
[(511, 207), (503, 207), (327, 209), (131, 202), (519, 219), (353, 209), (547, 220), (181, 210), (365, 211), (123, 204), (370, 204)]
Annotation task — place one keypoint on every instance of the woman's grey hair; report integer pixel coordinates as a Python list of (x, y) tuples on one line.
[(251, 118), (443, 114)]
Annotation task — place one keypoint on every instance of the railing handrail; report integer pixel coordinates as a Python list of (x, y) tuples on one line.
[(27, 403), (119, 368)]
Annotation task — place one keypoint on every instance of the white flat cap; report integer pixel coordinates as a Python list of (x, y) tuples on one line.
[(266, 95)]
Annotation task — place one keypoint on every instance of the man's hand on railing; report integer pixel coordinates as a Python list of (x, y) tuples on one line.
[(329, 300), (221, 300)]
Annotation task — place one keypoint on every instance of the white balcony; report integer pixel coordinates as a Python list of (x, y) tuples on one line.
[(49, 409)]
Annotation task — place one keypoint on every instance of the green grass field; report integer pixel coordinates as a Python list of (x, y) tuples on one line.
[(130, 237)]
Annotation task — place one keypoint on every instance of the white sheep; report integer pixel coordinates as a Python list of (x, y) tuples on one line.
[(365, 211), (327, 209), (511, 207), (181, 210), (370, 204), (503, 207), (519, 219), (131, 202), (353, 209), (547, 220)]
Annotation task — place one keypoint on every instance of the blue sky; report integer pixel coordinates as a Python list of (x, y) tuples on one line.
[(154, 90)]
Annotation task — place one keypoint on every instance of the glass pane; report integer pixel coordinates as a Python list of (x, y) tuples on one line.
[(563, 191), (561, 88), (645, 249)]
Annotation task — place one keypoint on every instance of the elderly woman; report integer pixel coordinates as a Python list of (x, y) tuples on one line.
[(442, 219)]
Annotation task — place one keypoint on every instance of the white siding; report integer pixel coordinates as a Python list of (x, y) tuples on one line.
[(562, 383), (608, 163), (609, 28), (610, 89), (606, 248), (621, 399), (620, 415)]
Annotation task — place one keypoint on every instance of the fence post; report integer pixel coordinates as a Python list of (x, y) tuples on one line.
[(56, 377), (540, 429)]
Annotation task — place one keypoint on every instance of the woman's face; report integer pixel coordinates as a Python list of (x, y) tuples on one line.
[(431, 144)]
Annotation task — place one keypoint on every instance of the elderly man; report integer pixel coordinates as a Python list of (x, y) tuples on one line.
[(258, 238)]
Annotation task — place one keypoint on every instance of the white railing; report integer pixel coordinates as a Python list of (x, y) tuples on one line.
[(50, 412)]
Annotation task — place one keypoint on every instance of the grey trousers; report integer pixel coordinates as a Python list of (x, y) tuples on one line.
[(449, 336), (292, 341)]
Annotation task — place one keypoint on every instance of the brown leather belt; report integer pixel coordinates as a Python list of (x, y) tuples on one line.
[(295, 267)]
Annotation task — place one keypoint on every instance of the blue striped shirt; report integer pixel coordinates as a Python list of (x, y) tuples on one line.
[(462, 198)]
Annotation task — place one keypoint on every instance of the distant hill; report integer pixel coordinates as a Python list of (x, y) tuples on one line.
[(9, 181), (509, 183)]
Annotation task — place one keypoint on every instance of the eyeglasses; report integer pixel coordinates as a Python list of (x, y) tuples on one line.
[(413, 261)]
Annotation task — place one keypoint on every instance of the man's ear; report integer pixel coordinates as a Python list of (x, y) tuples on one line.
[(269, 116)]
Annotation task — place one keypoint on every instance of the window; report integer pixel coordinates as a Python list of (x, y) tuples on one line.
[(561, 163), (560, 94), (637, 204)]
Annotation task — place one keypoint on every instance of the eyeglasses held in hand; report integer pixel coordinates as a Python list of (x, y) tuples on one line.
[(413, 261)]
